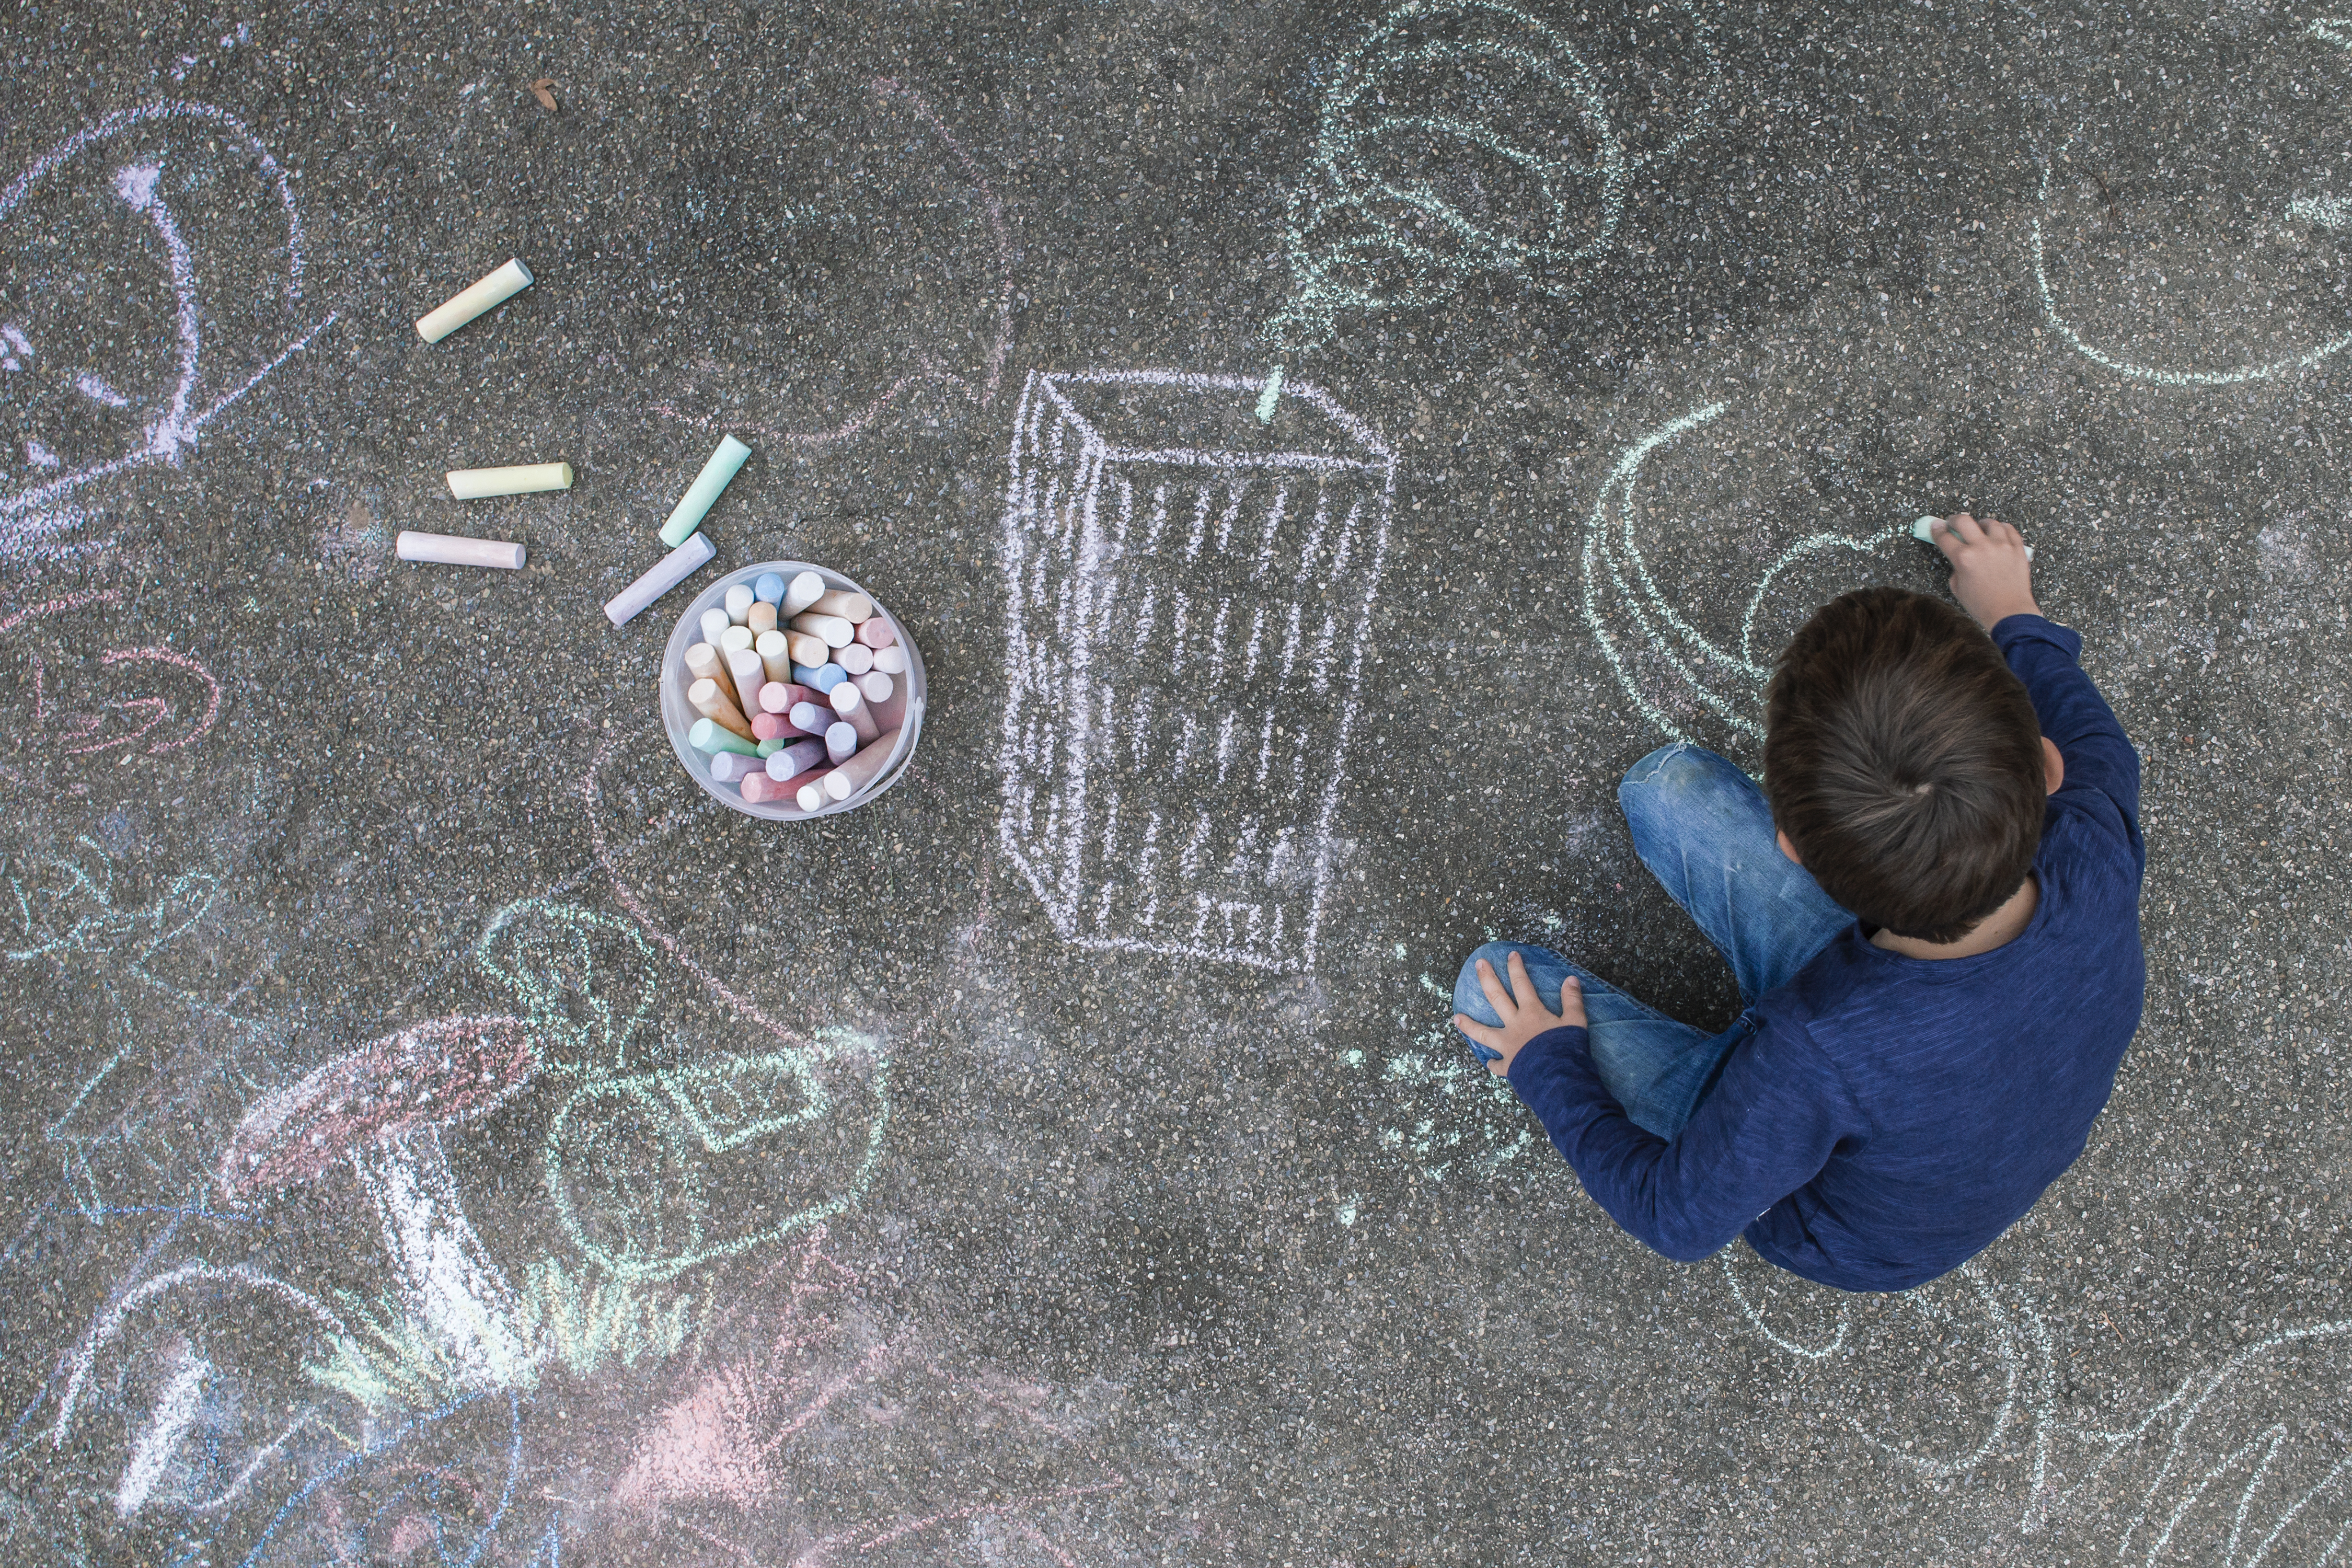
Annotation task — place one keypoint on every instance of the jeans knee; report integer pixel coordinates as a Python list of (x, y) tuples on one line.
[(1465, 984), (1674, 767)]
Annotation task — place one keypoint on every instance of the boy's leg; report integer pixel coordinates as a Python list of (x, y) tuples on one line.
[(1704, 830), (1657, 1069)]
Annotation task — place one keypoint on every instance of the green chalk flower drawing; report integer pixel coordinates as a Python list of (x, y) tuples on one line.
[(1462, 137), (658, 1167)]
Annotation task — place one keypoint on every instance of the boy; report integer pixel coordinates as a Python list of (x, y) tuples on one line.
[(1939, 963)]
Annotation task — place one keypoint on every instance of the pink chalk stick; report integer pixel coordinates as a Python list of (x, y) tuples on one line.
[(768, 726), (857, 658), (776, 696), (890, 711), (760, 787), (876, 633), (850, 703), (859, 771), (795, 692)]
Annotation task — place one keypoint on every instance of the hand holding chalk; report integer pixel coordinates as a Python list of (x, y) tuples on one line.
[(1992, 576), (1924, 531)]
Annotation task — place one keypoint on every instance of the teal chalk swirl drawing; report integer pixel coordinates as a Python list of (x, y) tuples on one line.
[(658, 1167), (1633, 620), (1448, 145)]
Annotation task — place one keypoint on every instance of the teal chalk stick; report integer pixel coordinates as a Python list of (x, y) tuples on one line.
[(687, 515), (707, 737)]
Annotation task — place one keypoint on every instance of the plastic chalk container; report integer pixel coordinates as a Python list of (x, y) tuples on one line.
[(679, 715)]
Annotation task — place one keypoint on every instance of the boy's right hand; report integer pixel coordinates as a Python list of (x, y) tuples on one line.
[(1990, 575)]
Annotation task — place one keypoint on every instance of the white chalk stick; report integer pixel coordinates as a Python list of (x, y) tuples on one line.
[(804, 590), (666, 573), (521, 480), (877, 687), (745, 667), (849, 607), (811, 796), (735, 639), (836, 632), (775, 655), (714, 624), (449, 550), (857, 658), (858, 771), (738, 605), (850, 703), (1924, 531), (687, 516), (496, 288), (891, 660)]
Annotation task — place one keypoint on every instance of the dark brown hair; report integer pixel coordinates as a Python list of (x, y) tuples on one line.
[(1903, 759)]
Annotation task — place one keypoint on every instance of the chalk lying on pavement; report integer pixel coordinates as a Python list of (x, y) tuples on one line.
[(666, 573), (521, 479), (687, 516), (449, 550), (496, 288)]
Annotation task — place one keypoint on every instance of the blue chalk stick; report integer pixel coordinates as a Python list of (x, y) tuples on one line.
[(769, 588), (824, 678)]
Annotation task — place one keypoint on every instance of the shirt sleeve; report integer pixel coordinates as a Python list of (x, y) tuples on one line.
[(1775, 1116), (2099, 756)]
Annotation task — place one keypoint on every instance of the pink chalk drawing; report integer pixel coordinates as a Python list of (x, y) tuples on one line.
[(149, 700), (382, 1109), (744, 1452), (89, 227), (978, 383)]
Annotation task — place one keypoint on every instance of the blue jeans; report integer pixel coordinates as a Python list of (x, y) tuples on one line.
[(1703, 829)]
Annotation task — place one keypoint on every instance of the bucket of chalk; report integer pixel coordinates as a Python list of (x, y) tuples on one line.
[(788, 692)]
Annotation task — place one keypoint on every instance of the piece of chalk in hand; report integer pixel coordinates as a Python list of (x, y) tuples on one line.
[(449, 550), (517, 480), (687, 516), (665, 574), (495, 290), (1924, 531)]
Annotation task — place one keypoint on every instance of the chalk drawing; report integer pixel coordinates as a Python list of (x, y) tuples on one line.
[(1190, 601), (382, 1109), (1444, 99), (978, 383), (1474, 1121), (152, 699), (38, 519), (820, 1382), (2236, 1475), (1636, 624)]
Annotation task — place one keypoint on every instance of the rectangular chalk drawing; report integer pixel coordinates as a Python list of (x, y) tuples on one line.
[(1189, 591)]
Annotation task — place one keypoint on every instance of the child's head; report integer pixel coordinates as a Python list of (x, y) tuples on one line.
[(1903, 759)]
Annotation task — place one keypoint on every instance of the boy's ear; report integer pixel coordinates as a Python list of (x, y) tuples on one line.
[(1790, 850), (2054, 770)]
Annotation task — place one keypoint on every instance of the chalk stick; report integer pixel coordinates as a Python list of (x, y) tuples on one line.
[(1924, 531), (450, 550), (762, 618), (823, 676), (806, 650), (749, 675), (851, 607), (705, 698), (841, 742), (666, 573), (772, 745), (778, 697), (520, 479), (714, 624), (769, 589), (804, 591), (889, 711), (810, 796), (874, 687), (705, 664), (876, 633), (687, 516), (762, 788), (730, 767), (891, 660), (707, 735), (850, 703), (857, 658), (469, 302), (739, 604), (768, 726), (797, 757), (858, 771), (836, 632), (736, 640), (813, 718), (769, 647)]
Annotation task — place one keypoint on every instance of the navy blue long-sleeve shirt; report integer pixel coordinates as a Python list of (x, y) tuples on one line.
[(1890, 1116)]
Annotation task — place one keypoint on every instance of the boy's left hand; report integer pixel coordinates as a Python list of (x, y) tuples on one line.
[(1521, 1022)]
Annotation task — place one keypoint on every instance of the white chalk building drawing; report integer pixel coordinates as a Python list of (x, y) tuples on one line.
[(1189, 593)]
